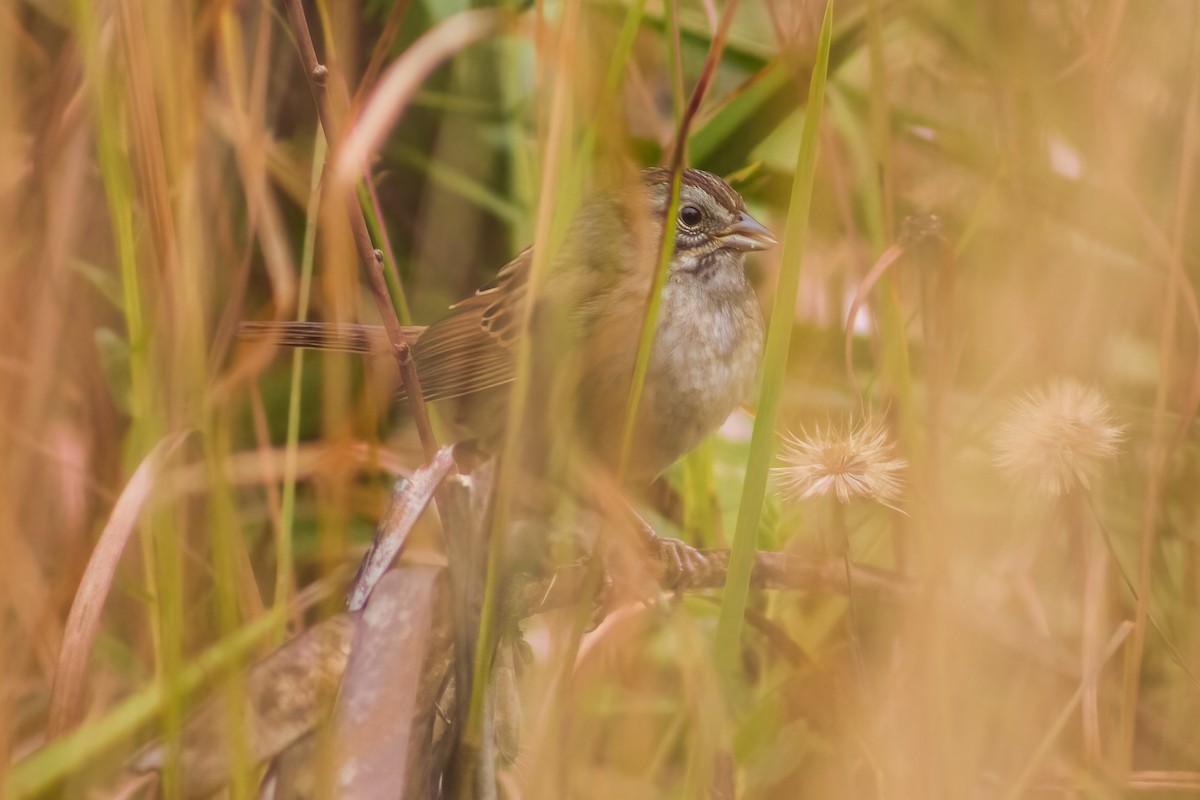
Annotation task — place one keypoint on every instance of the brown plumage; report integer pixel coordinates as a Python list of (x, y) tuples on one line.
[(587, 323)]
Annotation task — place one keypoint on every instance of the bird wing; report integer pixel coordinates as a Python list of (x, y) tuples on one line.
[(472, 349), (500, 303)]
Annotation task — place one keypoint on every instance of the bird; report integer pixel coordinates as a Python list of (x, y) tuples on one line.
[(586, 325)]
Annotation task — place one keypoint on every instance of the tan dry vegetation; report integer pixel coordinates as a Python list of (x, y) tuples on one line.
[(196, 501)]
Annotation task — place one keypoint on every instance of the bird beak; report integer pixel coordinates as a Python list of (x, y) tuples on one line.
[(747, 234)]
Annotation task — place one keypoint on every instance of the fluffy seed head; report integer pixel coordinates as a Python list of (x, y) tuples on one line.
[(1057, 438), (855, 462)]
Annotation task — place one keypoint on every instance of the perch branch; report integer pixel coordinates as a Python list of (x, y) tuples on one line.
[(772, 570)]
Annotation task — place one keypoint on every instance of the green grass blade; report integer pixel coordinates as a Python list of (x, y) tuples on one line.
[(762, 443), (285, 556), (650, 321), (60, 758)]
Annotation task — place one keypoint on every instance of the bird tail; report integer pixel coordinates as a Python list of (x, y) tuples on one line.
[(347, 338)]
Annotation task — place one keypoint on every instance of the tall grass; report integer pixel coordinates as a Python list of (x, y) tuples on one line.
[(159, 168), (775, 356)]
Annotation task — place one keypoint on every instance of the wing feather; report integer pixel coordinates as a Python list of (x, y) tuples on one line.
[(472, 349)]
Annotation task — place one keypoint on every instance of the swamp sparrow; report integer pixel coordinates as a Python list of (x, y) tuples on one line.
[(586, 326)]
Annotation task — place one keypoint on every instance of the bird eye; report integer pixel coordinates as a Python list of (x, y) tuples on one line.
[(690, 216)]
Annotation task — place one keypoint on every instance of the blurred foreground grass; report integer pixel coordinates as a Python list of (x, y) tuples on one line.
[(156, 185)]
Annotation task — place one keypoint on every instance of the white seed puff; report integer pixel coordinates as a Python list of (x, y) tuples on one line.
[(847, 463), (1056, 438)]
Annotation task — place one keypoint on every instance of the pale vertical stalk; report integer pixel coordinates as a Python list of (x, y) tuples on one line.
[(674, 60), (115, 173), (228, 555), (840, 544), (548, 217), (762, 443), (936, 541), (520, 162), (547, 743), (922, 620), (709, 764), (10, 530), (607, 106), (1177, 282), (1093, 600)]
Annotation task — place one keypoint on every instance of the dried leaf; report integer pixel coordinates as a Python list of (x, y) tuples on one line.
[(287, 694), (386, 710)]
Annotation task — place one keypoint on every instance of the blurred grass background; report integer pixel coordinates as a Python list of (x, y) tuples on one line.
[(156, 185)]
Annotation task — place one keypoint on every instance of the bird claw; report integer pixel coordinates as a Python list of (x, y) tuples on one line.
[(682, 563)]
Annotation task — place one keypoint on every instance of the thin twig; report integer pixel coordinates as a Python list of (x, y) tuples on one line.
[(371, 259)]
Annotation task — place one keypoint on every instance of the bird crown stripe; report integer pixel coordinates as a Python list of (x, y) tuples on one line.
[(718, 188)]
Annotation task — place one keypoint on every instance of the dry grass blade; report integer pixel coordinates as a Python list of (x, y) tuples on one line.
[(401, 81), (886, 259), (1164, 781), (83, 622), (555, 164), (1179, 290)]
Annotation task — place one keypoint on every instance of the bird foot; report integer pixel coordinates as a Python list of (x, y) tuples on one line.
[(682, 565)]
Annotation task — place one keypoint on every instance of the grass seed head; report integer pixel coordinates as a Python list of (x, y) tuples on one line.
[(1056, 438)]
